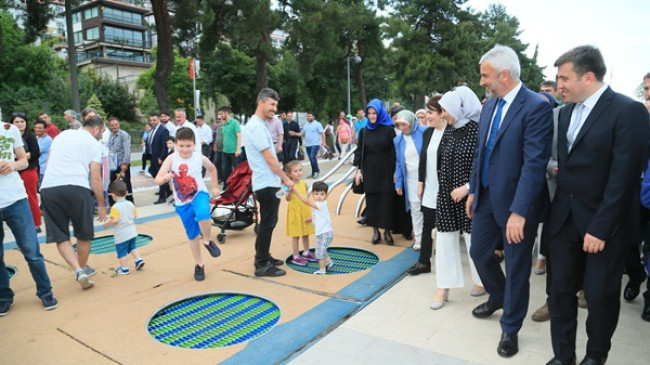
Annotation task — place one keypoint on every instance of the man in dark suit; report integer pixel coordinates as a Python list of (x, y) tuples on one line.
[(157, 143), (602, 151), (506, 189)]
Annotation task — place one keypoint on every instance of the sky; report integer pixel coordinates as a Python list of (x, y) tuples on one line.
[(620, 29)]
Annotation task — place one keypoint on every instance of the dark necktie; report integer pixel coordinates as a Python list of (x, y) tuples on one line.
[(489, 146)]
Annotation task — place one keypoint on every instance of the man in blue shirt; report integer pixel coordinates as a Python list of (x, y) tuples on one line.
[(359, 124), (314, 135)]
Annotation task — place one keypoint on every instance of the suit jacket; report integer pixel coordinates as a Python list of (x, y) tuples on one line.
[(517, 170), (598, 180), (158, 148)]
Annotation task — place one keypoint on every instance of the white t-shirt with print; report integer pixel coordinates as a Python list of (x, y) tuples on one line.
[(12, 188), (321, 218), (71, 153), (187, 179)]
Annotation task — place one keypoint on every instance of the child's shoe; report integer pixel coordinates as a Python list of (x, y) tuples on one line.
[(299, 260), (319, 272), (139, 263), (329, 264), (199, 273), (309, 256), (122, 271), (212, 248)]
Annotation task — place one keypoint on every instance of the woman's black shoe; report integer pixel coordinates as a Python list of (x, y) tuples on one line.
[(376, 238), (419, 268), (388, 238)]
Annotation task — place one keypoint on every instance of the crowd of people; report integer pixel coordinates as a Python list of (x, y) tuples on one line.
[(567, 161)]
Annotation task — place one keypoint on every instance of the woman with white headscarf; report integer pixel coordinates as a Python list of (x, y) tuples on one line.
[(461, 109), (408, 145)]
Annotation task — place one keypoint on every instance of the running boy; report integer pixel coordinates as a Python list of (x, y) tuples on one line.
[(322, 223), (192, 201), (122, 216)]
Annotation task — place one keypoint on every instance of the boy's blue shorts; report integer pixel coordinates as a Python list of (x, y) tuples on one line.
[(192, 213), (125, 248)]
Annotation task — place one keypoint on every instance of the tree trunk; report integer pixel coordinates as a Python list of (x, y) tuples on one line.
[(1, 50), (261, 56), (165, 57), (419, 102)]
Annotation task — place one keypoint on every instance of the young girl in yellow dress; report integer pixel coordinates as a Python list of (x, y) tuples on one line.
[(299, 223)]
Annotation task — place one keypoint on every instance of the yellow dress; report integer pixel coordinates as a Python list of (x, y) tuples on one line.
[(297, 213)]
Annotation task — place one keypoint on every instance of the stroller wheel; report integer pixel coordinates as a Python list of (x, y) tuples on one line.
[(221, 238)]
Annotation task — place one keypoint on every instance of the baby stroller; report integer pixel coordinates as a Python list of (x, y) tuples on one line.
[(235, 208)]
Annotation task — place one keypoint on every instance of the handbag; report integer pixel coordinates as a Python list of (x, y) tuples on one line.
[(358, 189), (301, 154)]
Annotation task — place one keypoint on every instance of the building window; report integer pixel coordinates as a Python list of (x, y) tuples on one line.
[(92, 33), (123, 36), (122, 16), (76, 18), (125, 55), (78, 37), (90, 13), (60, 28)]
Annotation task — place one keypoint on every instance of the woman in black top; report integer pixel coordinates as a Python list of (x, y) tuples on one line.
[(375, 159), (30, 174)]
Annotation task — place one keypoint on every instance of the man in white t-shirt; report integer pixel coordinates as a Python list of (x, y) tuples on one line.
[(14, 209), (67, 196), (181, 122)]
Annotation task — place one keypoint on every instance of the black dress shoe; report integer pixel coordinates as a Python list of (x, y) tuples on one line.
[(556, 361), (633, 288), (407, 236), (376, 238), (508, 346), (160, 201), (486, 309), (388, 238), (588, 360), (269, 270), (419, 268), (646, 312)]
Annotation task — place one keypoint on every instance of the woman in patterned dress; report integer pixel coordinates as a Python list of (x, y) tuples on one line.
[(461, 109)]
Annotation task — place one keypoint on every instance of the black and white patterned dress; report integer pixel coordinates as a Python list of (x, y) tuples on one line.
[(456, 156)]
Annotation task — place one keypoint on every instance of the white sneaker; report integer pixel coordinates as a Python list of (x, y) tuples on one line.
[(84, 280), (318, 272)]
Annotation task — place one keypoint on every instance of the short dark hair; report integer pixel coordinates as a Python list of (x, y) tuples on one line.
[(154, 115), (434, 103), (199, 117), (320, 186), (113, 118), (226, 109), (166, 112), (94, 121), (42, 114), (185, 134), (585, 59), (647, 76), (395, 109), (266, 93), (39, 121), (170, 138), (549, 83), (118, 187)]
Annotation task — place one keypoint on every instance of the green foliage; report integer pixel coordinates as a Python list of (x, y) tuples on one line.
[(179, 86), (93, 102), (116, 99)]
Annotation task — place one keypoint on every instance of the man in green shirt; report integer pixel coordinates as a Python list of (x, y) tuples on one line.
[(231, 141)]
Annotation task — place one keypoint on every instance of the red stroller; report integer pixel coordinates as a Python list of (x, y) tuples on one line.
[(235, 208)]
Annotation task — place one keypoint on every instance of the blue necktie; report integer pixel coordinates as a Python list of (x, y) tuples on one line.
[(489, 146)]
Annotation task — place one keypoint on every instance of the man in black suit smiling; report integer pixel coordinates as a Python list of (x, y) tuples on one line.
[(157, 143), (602, 151)]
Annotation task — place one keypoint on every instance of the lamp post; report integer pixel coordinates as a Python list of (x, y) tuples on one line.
[(72, 57), (356, 59)]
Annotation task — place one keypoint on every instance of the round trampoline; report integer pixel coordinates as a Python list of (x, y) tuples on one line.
[(106, 244), (346, 260), (213, 320)]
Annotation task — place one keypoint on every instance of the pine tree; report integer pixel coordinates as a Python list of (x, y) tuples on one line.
[(95, 103)]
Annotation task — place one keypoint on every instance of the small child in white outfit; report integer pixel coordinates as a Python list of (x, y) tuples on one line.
[(322, 224), (122, 216)]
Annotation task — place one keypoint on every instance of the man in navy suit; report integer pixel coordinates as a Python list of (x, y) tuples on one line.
[(157, 143), (507, 189), (602, 151)]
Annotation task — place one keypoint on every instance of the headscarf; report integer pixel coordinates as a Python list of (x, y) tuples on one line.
[(462, 104), (382, 115), (551, 99), (407, 116)]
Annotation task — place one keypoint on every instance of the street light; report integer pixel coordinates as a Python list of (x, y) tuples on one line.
[(356, 59)]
